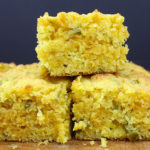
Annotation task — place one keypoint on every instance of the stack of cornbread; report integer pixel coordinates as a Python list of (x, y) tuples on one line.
[(107, 97)]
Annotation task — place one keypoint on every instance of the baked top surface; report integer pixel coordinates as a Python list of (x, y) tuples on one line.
[(5, 66), (131, 75), (26, 78)]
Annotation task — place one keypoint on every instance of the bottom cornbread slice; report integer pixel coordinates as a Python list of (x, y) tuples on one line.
[(33, 108), (114, 106)]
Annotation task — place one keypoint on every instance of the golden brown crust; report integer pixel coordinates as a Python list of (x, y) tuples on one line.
[(6, 66)]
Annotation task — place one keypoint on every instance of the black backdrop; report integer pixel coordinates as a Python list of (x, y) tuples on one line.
[(18, 25)]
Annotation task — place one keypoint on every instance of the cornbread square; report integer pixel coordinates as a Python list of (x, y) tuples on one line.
[(33, 108), (74, 44), (113, 106)]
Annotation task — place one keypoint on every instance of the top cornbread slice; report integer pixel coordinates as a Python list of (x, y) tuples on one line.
[(33, 108), (114, 106), (73, 44)]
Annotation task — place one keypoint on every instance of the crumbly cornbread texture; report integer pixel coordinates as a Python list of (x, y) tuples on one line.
[(33, 108), (113, 106), (5, 66), (73, 44)]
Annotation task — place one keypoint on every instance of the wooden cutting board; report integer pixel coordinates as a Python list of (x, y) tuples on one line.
[(77, 145)]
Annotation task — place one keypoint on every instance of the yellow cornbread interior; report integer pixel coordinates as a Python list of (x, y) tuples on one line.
[(114, 106), (73, 44), (33, 108)]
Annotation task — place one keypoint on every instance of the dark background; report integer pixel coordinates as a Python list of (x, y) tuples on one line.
[(18, 25)]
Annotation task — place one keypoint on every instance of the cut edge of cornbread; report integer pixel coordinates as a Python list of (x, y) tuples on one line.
[(33, 108), (44, 72), (98, 47), (111, 106)]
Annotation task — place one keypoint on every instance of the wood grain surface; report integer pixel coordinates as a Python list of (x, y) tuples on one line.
[(77, 145)]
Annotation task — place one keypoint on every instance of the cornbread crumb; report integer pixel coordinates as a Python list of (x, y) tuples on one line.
[(80, 125), (88, 43), (43, 143), (40, 116), (112, 106), (104, 142), (14, 146), (92, 142)]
